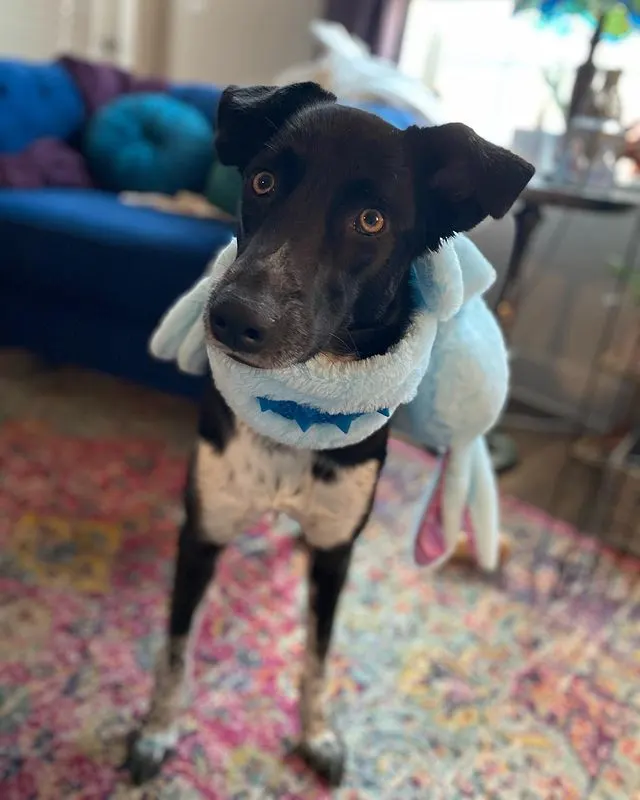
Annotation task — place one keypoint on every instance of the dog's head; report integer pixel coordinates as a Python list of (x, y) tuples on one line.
[(336, 205)]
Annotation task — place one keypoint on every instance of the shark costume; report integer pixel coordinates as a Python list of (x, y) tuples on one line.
[(448, 377)]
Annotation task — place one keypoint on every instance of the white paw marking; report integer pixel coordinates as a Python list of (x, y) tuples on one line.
[(155, 745)]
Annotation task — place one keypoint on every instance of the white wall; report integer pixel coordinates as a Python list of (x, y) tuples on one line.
[(31, 33), (238, 41), (128, 32), (221, 41), (151, 36)]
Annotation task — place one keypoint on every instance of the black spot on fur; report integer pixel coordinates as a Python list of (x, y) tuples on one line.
[(191, 498), (327, 573), (217, 423), (194, 569), (323, 470), (373, 448), (271, 446)]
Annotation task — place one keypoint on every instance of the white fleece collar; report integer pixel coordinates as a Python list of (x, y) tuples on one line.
[(323, 403)]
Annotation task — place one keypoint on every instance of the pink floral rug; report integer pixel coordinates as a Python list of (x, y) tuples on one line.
[(444, 687)]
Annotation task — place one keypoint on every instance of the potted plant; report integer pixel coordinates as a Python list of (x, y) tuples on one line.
[(610, 18)]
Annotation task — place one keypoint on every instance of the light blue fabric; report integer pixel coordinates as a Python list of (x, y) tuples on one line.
[(149, 143)]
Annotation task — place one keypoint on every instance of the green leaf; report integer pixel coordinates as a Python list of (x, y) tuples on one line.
[(617, 21)]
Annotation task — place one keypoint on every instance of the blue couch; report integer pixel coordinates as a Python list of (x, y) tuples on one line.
[(83, 278)]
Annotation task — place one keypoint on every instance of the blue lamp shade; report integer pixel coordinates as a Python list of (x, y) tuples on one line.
[(149, 143)]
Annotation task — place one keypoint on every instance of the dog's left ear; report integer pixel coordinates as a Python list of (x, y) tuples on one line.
[(249, 117), (468, 177)]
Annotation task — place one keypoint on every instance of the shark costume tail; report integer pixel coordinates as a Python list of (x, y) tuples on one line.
[(463, 496), (448, 376)]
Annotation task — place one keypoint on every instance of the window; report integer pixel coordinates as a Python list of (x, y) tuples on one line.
[(488, 66)]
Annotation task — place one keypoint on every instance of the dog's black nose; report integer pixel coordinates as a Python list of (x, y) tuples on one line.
[(240, 327)]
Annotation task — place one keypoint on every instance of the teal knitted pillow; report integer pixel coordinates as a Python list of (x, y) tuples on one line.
[(224, 187), (149, 143)]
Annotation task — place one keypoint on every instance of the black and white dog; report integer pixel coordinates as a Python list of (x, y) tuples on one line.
[(336, 206)]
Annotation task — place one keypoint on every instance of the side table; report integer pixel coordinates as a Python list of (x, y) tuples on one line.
[(528, 218)]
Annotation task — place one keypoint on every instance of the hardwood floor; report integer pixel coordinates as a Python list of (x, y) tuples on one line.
[(548, 478)]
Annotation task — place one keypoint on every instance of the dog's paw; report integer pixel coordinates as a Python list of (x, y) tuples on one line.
[(146, 753), (326, 754)]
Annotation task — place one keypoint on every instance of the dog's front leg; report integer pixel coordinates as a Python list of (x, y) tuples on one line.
[(340, 505), (158, 735), (216, 512), (320, 745)]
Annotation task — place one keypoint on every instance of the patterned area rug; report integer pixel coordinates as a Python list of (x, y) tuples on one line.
[(444, 687)]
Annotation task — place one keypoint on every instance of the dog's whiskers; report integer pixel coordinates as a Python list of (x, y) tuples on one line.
[(340, 341)]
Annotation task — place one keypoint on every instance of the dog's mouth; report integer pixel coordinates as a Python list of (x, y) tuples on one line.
[(346, 344), (245, 361), (261, 361), (262, 364), (240, 358), (346, 347)]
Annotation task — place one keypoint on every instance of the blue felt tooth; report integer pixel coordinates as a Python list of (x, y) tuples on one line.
[(343, 421), (306, 416), (304, 423)]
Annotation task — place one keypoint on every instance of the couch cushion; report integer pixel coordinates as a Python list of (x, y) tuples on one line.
[(201, 96), (99, 83), (149, 143), (36, 101), (224, 187), (76, 336), (45, 162), (89, 248)]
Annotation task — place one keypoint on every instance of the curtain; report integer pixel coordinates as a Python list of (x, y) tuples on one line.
[(380, 23)]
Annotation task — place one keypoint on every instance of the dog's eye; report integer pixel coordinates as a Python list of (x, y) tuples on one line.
[(370, 221), (263, 182)]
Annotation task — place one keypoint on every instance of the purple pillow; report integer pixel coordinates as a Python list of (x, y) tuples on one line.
[(47, 162), (99, 83)]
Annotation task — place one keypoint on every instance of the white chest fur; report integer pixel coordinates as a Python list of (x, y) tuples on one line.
[(254, 476)]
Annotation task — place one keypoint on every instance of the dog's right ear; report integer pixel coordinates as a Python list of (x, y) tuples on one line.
[(249, 117), (466, 177)]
